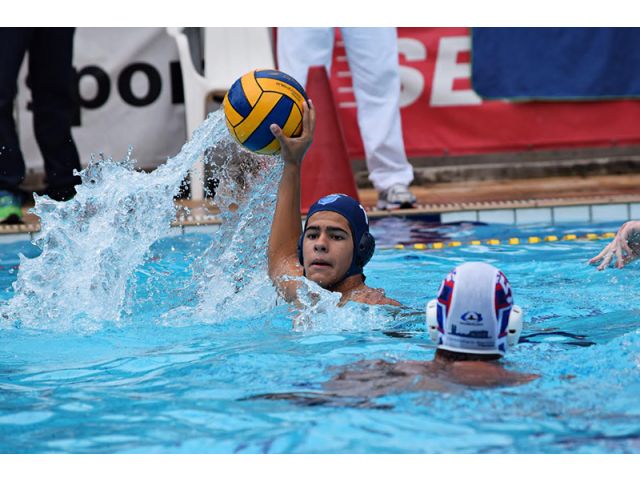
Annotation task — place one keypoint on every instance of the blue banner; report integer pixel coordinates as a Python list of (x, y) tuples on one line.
[(555, 63)]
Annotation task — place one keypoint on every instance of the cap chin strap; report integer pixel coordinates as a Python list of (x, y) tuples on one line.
[(514, 327)]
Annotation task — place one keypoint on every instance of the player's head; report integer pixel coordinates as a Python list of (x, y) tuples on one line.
[(335, 243), (474, 312)]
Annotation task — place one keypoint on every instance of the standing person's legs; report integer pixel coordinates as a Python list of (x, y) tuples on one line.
[(51, 79), (301, 48), (13, 45), (373, 59)]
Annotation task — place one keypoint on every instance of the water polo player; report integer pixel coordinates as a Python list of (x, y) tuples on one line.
[(335, 244), (473, 322)]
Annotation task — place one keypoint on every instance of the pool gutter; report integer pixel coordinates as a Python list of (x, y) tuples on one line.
[(586, 209)]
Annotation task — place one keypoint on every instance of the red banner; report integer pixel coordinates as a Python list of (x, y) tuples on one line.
[(442, 115)]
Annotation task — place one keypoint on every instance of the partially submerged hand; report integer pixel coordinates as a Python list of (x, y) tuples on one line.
[(624, 248)]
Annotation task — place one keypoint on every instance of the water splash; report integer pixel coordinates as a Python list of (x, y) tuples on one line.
[(320, 310), (92, 244), (230, 279)]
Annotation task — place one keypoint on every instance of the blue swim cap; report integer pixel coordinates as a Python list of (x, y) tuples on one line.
[(363, 242)]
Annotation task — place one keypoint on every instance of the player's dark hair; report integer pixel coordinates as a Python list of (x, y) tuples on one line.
[(466, 357)]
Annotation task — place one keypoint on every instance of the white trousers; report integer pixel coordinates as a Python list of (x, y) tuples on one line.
[(373, 59)]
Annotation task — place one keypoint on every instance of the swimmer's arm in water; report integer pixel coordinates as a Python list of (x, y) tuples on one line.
[(624, 248), (287, 222), (371, 378), (486, 375), (370, 296)]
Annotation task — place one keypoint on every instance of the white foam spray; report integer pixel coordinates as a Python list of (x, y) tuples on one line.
[(91, 247), (92, 244)]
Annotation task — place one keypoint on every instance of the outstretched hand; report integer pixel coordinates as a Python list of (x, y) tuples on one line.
[(294, 149), (624, 248)]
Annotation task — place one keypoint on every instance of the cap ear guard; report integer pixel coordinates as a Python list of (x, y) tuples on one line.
[(300, 257), (432, 319), (514, 327), (366, 247)]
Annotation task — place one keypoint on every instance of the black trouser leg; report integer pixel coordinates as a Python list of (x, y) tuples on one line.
[(51, 80), (13, 45)]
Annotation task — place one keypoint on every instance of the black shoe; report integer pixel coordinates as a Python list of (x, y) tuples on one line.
[(60, 194)]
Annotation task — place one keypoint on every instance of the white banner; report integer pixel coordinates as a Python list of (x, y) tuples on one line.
[(130, 95)]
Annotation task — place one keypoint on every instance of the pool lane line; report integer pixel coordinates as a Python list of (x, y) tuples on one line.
[(510, 241)]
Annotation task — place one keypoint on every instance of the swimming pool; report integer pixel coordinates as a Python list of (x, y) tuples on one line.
[(175, 372)]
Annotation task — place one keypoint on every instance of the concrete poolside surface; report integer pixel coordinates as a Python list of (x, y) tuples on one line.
[(453, 196)]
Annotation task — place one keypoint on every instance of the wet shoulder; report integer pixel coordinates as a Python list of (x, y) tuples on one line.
[(485, 374), (372, 296)]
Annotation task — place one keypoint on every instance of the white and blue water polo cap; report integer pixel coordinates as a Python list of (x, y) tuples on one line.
[(473, 308)]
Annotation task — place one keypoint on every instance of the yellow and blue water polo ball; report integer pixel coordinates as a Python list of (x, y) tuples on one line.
[(258, 99)]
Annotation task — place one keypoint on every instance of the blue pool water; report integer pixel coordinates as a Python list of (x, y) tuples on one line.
[(175, 369), (118, 336)]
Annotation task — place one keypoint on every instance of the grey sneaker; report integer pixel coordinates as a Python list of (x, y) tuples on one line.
[(396, 196)]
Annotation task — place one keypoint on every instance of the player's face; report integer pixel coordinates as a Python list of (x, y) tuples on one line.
[(327, 248)]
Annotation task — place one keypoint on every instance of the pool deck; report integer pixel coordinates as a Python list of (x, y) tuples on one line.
[(455, 199)]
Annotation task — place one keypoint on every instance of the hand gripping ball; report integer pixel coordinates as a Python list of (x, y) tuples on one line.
[(258, 99)]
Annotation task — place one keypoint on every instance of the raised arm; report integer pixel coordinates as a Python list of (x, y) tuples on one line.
[(624, 248), (287, 223)]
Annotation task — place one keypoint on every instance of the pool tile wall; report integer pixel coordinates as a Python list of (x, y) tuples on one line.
[(526, 216), (610, 213), (506, 216), (615, 212), (580, 213)]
